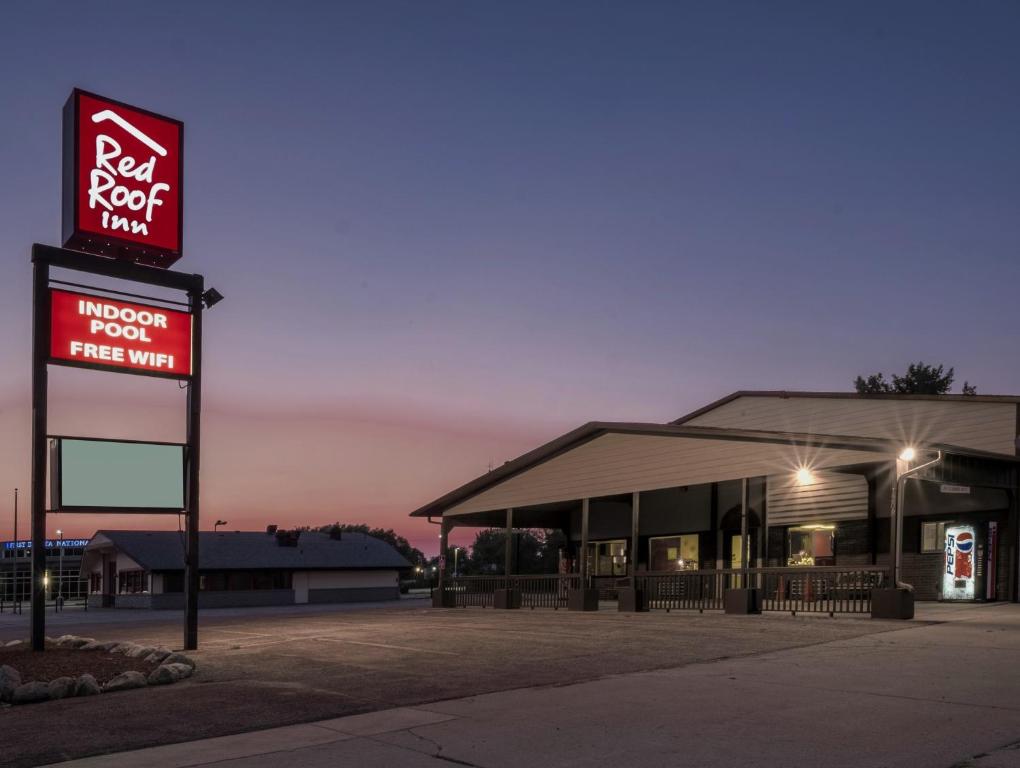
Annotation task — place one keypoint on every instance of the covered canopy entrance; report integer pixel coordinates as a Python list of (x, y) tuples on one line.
[(674, 517)]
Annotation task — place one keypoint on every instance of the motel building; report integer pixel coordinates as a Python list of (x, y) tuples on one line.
[(145, 569), (761, 501)]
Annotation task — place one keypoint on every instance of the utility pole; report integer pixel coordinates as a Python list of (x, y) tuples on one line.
[(14, 567)]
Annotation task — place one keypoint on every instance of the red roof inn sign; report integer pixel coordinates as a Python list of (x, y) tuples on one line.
[(122, 221), (98, 332), (123, 194)]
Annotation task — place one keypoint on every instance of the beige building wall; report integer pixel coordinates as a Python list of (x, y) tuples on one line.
[(979, 425), (622, 463), (830, 497)]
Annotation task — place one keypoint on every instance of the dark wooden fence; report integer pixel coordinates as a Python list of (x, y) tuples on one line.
[(831, 590), (547, 591)]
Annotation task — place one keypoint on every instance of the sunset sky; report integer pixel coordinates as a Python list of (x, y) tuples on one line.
[(448, 231)]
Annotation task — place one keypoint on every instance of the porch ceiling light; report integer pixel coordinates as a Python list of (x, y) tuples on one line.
[(805, 476), (908, 454)]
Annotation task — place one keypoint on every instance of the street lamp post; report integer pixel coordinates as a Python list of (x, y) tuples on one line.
[(60, 570), (456, 551), (14, 559)]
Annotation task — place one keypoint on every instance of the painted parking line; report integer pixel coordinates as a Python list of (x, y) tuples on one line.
[(387, 645)]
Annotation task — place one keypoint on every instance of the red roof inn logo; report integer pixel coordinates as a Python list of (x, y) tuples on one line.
[(122, 181), (96, 332)]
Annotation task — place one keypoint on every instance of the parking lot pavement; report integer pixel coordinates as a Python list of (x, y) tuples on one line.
[(260, 669), (935, 694)]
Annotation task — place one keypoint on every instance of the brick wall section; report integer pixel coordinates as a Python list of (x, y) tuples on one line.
[(923, 571)]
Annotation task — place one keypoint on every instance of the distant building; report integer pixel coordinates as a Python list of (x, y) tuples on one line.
[(63, 562), (145, 569)]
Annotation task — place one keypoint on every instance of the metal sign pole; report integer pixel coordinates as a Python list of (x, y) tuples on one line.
[(194, 438), (40, 353), (43, 258)]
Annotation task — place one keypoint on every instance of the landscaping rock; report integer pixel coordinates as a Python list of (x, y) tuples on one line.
[(163, 675), (13, 643), (179, 671), (125, 681), (86, 685), (29, 693), (76, 642), (179, 658), (159, 655), (124, 648), (139, 651), (106, 645), (10, 679), (61, 687)]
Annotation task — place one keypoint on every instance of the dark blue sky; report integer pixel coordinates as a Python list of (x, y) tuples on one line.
[(464, 227)]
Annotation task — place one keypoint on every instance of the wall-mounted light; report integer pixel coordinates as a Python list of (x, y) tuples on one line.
[(211, 298), (805, 476), (908, 454)]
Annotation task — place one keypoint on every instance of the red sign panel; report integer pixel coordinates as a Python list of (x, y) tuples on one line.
[(122, 181), (97, 332)]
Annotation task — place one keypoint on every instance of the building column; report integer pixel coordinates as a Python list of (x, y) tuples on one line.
[(583, 559), (743, 599), (583, 598), (763, 528), (744, 499), (441, 597), (508, 596), (717, 535), (635, 510), (508, 569)]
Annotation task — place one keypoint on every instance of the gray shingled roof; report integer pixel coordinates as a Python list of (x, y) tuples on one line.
[(164, 550)]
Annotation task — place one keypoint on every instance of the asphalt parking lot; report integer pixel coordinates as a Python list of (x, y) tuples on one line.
[(265, 668)]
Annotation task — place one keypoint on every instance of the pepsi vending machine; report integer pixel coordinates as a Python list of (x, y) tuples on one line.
[(968, 571)]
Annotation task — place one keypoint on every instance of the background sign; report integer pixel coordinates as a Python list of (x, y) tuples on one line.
[(97, 332), (122, 180), (50, 543)]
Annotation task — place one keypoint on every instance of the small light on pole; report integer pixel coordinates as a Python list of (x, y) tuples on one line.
[(908, 454)]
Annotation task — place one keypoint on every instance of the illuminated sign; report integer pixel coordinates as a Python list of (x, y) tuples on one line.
[(958, 573), (97, 332), (123, 169), (50, 543)]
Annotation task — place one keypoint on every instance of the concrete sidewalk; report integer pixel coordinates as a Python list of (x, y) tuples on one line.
[(943, 694)]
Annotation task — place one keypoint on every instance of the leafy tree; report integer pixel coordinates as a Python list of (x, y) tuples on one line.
[(920, 379), (535, 551), (875, 384)]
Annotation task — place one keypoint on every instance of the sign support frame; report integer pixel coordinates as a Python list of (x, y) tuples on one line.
[(45, 257)]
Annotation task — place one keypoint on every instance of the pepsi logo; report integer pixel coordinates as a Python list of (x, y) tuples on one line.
[(965, 541)]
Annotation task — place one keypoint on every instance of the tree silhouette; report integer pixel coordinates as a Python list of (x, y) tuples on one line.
[(920, 379)]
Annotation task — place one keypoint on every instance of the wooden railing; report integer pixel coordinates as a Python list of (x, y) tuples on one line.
[(475, 591), (831, 590), (545, 591), (828, 589), (538, 591), (684, 590)]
